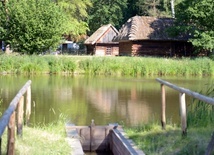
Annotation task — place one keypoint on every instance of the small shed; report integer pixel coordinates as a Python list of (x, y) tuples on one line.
[(144, 35), (100, 42)]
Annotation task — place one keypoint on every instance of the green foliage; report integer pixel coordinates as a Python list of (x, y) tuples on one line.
[(196, 18), (77, 12), (201, 114), (32, 26), (130, 66), (153, 140), (106, 12)]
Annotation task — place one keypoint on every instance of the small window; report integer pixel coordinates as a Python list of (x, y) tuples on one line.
[(108, 50)]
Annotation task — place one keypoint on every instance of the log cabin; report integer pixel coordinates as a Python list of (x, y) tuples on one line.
[(147, 36), (100, 42)]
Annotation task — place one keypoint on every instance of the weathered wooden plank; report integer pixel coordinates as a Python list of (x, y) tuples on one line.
[(210, 147), (99, 138), (188, 92), (183, 113), (120, 145), (6, 116), (28, 105), (11, 135), (163, 107), (20, 112)]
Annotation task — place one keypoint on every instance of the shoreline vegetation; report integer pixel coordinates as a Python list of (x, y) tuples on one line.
[(117, 66), (200, 124), (51, 139)]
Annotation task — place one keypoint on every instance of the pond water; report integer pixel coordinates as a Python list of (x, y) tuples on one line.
[(125, 100)]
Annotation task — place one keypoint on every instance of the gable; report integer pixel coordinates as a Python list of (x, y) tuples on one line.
[(104, 34)]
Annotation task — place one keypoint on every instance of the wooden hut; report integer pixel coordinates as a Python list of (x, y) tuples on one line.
[(100, 42), (143, 35)]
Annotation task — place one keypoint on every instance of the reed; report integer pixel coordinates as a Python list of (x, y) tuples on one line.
[(90, 65), (201, 114), (153, 140)]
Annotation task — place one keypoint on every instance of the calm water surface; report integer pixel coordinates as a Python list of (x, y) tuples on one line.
[(126, 100)]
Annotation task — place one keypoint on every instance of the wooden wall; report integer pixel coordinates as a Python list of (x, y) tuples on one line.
[(125, 48), (102, 48), (119, 145), (155, 48)]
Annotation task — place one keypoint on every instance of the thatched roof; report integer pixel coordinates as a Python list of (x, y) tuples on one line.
[(99, 33), (146, 28)]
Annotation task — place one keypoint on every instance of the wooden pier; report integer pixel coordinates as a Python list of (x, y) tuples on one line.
[(109, 138)]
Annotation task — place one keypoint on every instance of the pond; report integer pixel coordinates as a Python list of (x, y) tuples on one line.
[(128, 101)]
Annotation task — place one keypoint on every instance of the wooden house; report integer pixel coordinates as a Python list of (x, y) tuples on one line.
[(100, 42), (143, 35)]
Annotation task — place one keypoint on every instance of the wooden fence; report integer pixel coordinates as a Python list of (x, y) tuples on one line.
[(15, 109), (182, 102)]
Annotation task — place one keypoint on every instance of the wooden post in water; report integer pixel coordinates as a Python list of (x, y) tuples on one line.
[(20, 112), (28, 104), (183, 113), (163, 107), (11, 135)]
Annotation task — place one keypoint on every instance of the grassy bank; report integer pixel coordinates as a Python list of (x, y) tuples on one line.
[(155, 141), (41, 140), (200, 121), (132, 66)]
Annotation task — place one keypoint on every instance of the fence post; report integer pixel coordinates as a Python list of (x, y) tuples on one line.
[(92, 128), (163, 103), (210, 147), (183, 113), (11, 135), (20, 113), (28, 104)]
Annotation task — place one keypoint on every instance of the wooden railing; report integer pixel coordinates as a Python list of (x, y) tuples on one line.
[(9, 117), (183, 112)]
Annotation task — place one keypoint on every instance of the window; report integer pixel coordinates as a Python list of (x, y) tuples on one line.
[(108, 50)]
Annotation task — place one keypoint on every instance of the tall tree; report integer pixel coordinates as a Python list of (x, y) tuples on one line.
[(196, 17), (105, 12), (32, 26), (77, 11), (160, 8)]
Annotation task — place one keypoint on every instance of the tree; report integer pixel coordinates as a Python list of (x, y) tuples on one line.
[(159, 8), (32, 26), (196, 17), (105, 12), (77, 12)]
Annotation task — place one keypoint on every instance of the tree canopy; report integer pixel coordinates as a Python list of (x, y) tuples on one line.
[(196, 17), (105, 12), (32, 26), (77, 12)]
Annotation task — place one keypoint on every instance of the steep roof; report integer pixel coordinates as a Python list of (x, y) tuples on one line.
[(99, 33), (147, 28)]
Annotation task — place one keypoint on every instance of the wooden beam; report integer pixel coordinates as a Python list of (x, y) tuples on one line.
[(196, 95), (163, 107), (183, 113), (11, 135), (13, 105), (28, 105), (20, 112)]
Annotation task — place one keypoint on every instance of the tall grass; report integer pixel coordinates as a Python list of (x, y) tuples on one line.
[(153, 140), (201, 114), (47, 139), (131, 66)]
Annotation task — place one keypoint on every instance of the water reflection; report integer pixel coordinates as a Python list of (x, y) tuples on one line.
[(125, 100)]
